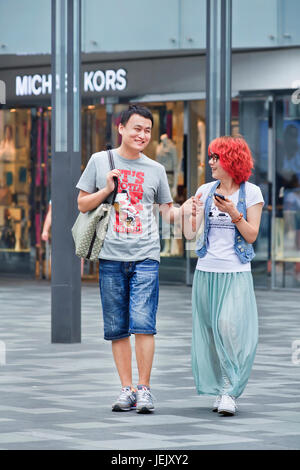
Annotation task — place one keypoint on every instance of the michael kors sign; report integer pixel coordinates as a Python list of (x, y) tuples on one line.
[(93, 81)]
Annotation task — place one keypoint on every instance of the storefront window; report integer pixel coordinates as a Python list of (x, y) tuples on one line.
[(254, 126), (40, 186), (271, 126), (287, 227), (15, 179), (94, 135)]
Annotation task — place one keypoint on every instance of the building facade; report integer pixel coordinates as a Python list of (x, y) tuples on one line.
[(162, 65)]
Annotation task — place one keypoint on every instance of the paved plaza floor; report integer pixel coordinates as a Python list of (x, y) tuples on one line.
[(59, 396)]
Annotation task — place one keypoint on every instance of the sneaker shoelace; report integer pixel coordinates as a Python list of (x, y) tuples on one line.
[(146, 394), (125, 393)]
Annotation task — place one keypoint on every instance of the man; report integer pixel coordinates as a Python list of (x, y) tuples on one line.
[(129, 258)]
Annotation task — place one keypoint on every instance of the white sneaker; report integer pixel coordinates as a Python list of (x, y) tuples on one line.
[(216, 403), (144, 399), (126, 400), (227, 406)]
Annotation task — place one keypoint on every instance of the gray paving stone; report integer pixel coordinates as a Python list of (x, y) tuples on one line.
[(58, 396)]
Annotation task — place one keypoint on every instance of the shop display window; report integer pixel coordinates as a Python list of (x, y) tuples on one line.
[(287, 220), (94, 131), (15, 179)]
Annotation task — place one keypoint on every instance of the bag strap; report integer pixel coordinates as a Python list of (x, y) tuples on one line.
[(112, 167)]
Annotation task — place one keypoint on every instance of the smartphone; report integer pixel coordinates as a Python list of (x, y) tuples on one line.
[(220, 196)]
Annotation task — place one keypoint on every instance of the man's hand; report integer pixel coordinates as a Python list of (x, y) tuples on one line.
[(192, 211), (192, 206), (110, 184)]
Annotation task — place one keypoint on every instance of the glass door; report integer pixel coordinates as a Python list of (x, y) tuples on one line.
[(286, 248), (256, 128), (195, 132)]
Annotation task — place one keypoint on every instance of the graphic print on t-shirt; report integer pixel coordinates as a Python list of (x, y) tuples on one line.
[(128, 202), (219, 219)]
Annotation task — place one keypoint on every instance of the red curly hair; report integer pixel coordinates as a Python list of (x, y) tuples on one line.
[(235, 157)]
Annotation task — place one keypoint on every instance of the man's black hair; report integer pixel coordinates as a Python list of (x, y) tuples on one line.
[(135, 109)]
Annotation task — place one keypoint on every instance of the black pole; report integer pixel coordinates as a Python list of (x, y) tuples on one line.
[(218, 69), (226, 46), (66, 166)]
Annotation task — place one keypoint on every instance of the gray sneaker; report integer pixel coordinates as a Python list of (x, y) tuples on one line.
[(126, 400), (144, 400)]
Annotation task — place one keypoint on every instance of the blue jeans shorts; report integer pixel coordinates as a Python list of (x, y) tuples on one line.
[(129, 297)]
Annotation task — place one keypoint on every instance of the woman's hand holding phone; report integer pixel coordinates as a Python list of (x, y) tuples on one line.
[(226, 205)]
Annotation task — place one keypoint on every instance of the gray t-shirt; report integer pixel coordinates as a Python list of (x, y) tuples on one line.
[(132, 233)]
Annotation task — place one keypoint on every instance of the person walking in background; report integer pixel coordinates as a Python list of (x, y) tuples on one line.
[(225, 324), (47, 224), (46, 238), (129, 258)]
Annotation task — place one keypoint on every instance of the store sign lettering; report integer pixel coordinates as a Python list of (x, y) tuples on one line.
[(94, 81), (108, 80), (33, 85)]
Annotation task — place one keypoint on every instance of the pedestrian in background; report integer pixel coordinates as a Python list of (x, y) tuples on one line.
[(225, 324), (129, 258), (47, 224)]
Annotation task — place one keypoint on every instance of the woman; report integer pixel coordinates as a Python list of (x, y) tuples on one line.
[(225, 326)]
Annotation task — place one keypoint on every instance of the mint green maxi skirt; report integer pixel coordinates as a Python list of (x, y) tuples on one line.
[(225, 331)]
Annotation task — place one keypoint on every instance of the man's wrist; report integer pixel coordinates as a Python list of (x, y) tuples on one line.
[(176, 213), (183, 213), (105, 192)]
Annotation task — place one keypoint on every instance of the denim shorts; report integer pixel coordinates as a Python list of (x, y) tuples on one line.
[(129, 297)]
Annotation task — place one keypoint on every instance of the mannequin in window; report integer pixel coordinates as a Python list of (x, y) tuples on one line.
[(166, 154), (7, 155), (7, 145)]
